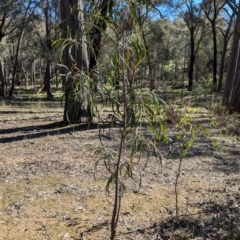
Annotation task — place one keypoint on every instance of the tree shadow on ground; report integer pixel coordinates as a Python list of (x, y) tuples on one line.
[(24, 112), (227, 165), (226, 161), (21, 103), (52, 129), (214, 221)]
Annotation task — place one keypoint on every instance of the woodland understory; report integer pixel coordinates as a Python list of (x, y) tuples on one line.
[(50, 188)]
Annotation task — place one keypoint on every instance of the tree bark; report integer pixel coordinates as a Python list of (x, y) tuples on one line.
[(214, 33), (151, 79), (16, 63), (212, 10), (33, 74), (192, 60), (75, 58), (231, 96), (47, 76), (192, 20), (226, 38), (98, 27), (3, 20), (2, 79)]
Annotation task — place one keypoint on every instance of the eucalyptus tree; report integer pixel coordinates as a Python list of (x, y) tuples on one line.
[(180, 50), (79, 57), (141, 20), (231, 96), (13, 22), (212, 9), (2, 79), (75, 59), (193, 17), (10, 10), (33, 47), (24, 19), (50, 12), (226, 32), (165, 46)]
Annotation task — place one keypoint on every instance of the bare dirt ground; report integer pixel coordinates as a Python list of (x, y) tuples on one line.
[(48, 189)]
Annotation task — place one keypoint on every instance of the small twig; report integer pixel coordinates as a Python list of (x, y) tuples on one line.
[(176, 184), (117, 197)]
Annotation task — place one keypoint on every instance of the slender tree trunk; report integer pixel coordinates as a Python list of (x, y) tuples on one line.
[(212, 10), (16, 63), (47, 79), (214, 56), (222, 66), (226, 38), (98, 27), (2, 79), (192, 60), (150, 68), (40, 71), (33, 74), (231, 96), (47, 76), (25, 76), (3, 20)]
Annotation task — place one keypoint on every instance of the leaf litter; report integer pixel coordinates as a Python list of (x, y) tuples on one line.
[(49, 189)]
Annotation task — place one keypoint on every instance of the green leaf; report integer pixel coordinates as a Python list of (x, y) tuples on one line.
[(214, 123), (109, 182), (184, 153), (179, 137), (58, 43), (224, 149), (199, 127), (214, 143), (188, 144), (129, 170), (221, 134), (207, 132)]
